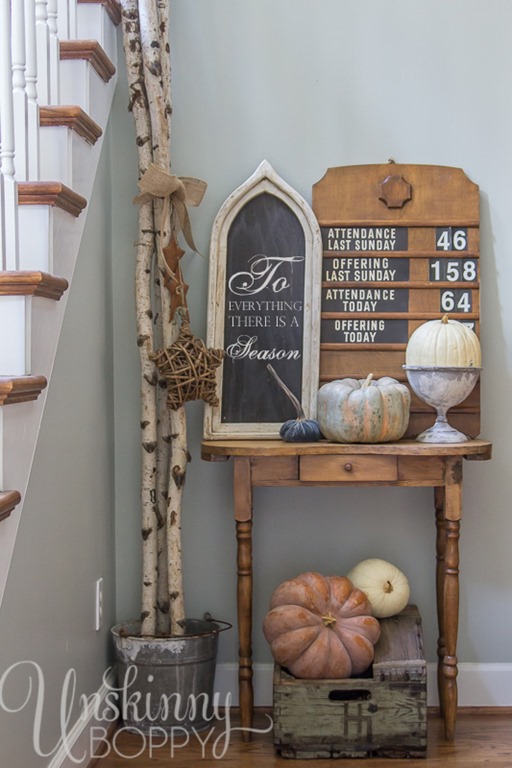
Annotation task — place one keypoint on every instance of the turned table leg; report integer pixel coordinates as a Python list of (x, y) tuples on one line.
[(440, 560), (448, 520), (243, 518)]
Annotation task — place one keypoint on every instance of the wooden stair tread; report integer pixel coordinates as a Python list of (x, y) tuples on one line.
[(51, 193), (112, 7), (8, 500), (91, 51), (72, 117), (25, 283), (20, 389)]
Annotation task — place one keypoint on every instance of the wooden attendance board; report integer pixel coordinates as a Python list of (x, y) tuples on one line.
[(400, 247)]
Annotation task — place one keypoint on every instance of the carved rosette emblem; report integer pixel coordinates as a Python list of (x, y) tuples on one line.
[(395, 191)]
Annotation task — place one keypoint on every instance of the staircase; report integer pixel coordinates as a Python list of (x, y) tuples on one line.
[(57, 78)]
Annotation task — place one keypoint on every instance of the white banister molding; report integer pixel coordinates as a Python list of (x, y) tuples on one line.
[(31, 89), (19, 94), (9, 212)]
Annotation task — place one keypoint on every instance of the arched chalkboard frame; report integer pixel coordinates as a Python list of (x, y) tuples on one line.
[(263, 307)]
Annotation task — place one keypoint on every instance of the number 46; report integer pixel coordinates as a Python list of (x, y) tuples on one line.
[(448, 239)]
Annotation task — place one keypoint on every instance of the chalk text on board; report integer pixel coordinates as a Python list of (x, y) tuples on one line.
[(364, 238), (264, 272), (250, 313), (244, 347)]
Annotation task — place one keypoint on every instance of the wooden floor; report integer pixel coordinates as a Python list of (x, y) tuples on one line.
[(482, 739)]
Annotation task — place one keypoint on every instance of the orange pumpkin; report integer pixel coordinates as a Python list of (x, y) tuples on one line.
[(321, 627)]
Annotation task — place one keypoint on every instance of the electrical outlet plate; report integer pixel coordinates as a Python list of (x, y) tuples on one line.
[(98, 615)]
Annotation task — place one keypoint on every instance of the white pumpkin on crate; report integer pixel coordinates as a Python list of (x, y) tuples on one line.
[(386, 586)]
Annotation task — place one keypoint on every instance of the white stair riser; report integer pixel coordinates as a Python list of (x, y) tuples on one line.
[(25, 322), (2, 487), (14, 335), (47, 235), (81, 85), (64, 157), (93, 23), (36, 237)]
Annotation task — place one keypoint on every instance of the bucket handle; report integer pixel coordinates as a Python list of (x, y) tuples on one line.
[(208, 617)]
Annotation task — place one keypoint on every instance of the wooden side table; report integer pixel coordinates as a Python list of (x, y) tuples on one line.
[(405, 463)]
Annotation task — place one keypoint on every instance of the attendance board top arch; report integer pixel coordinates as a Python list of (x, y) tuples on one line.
[(400, 247)]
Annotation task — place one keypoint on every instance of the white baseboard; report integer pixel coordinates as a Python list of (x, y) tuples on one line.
[(479, 685), (76, 751)]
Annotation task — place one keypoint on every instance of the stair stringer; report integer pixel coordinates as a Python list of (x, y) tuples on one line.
[(20, 423)]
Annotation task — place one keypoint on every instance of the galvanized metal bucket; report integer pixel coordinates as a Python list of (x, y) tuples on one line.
[(167, 682)]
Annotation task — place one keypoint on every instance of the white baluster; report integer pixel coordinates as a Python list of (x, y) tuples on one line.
[(19, 89), (53, 12), (9, 213), (31, 88), (2, 219), (67, 19), (43, 52)]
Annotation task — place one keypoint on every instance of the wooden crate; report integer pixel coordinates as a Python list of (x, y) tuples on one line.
[(382, 713)]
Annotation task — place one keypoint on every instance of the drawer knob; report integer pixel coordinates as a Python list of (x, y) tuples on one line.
[(348, 467)]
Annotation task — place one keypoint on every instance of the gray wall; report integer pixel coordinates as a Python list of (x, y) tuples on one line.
[(310, 85), (305, 85), (66, 536)]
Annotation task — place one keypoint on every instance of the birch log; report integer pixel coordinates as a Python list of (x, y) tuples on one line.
[(153, 78), (155, 50), (165, 59), (164, 434), (143, 272), (179, 447)]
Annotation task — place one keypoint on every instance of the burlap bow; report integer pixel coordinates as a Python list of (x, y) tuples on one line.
[(181, 191)]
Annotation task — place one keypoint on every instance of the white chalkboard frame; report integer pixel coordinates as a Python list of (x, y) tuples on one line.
[(264, 180)]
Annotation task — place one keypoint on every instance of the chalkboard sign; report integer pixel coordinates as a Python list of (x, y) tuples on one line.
[(400, 246), (264, 307)]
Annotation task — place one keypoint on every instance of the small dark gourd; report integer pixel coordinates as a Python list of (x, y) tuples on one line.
[(301, 429)]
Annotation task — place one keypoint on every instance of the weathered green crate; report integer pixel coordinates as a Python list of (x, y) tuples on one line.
[(383, 713)]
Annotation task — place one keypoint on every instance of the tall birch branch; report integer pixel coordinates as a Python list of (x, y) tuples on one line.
[(143, 271), (156, 59), (154, 63)]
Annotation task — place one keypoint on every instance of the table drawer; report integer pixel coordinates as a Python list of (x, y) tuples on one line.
[(350, 468)]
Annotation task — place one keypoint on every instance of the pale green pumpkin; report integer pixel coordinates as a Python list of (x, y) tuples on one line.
[(363, 410)]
